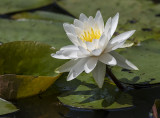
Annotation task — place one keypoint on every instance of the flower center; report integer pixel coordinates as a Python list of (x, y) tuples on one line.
[(89, 35)]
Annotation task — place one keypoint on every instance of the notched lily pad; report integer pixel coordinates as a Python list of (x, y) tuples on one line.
[(147, 58), (84, 93), (27, 68), (6, 107)]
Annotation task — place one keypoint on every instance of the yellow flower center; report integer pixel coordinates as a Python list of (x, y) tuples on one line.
[(89, 35)]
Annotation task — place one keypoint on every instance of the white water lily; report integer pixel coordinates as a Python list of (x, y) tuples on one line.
[(93, 47)]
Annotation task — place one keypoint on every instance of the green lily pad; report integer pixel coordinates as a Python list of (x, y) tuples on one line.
[(6, 107), (32, 30), (42, 15), (147, 58), (9, 6), (140, 15), (27, 68), (84, 93)]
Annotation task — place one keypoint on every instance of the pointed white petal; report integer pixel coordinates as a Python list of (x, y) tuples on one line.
[(78, 23), (103, 41), (122, 37), (73, 38), (59, 56), (97, 52), (95, 42), (108, 25), (114, 23), (77, 69), (108, 59), (70, 53), (122, 62), (99, 73), (83, 17), (67, 66), (99, 20), (69, 28), (90, 65), (91, 21), (70, 47)]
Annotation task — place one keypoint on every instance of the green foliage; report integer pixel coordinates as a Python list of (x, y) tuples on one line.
[(32, 30), (84, 93), (9, 6), (6, 107), (27, 68), (42, 15), (147, 58)]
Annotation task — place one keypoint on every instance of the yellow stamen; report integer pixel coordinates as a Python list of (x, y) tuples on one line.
[(90, 35)]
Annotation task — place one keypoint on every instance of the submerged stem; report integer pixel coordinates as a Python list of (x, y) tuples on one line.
[(115, 80)]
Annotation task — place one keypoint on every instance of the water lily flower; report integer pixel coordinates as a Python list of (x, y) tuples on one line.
[(93, 47)]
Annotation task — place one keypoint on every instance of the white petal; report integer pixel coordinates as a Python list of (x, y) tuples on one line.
[(78, 31), (108, 59), (108, 25), (59, 56), (95, 42), (99, 20), (90, 65), (83, 50), (97, 52), (103, 41), (70, 53), (91, 21), (73, 38), (67, 66), (70, 47), (114, 23), (78, 23), (81, 43), (121, 61), (83, 17), (90, 46), (69, 28), (77, 69), (122, 37), (99, 73)]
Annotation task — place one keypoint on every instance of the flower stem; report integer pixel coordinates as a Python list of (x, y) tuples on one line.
[(115, 80)]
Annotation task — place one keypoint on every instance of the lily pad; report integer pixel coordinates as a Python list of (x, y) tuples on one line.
[(42, 15), (32, 30), (9, 6), (84, 93), (140, 15), (27, 68), (6, 107), (147, 58)]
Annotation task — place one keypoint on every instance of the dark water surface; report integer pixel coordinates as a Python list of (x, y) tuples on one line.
[(47, 105)]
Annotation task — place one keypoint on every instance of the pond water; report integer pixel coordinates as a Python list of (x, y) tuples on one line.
[(47, 105)]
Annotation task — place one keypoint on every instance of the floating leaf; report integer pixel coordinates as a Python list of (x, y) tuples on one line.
[(9, 6), (84, 93), (42, 15), (147, 58), (29, 30), (141, 15), (6, 107), (33, 66)]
